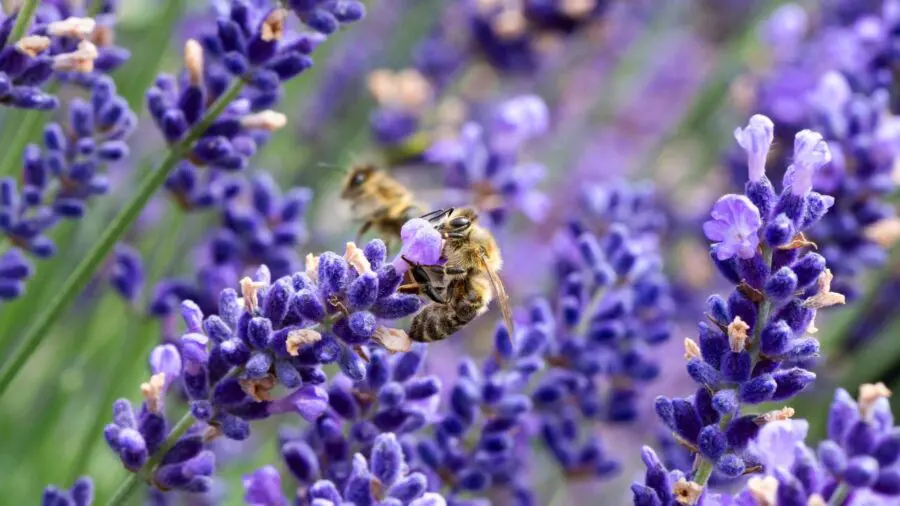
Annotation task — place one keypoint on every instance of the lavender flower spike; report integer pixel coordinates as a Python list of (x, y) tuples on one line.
[(756, 139), (810, 154), (734, 225)]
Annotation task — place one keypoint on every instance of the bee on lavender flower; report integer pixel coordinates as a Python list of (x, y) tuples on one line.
[(378, 200), (463, 286)]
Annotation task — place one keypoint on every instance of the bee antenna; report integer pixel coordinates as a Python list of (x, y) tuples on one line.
[(340, 168)]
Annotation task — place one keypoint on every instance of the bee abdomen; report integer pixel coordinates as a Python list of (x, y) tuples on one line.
[(435, 322)]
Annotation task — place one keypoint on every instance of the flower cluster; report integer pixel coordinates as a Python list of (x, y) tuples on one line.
[(276, 333), (63, 42), (281, 331), (510, 35), (476, 444), (135, 437), (60, 179), (846, 95), (754, 347), (81, 494), (613, 304), (383, 480), (856, 464), (177, 107), (482, 164), (390, 399)]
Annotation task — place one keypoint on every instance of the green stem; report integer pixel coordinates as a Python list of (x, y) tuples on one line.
[(116, 229), (23, 20), (704, 471), (123, 493), (837, 498)]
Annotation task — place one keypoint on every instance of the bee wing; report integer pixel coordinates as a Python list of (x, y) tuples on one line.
[(502, 297)]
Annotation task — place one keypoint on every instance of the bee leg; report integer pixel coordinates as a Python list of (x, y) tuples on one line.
[(456, 235), (454, 271), (433, 294), (410, 288)]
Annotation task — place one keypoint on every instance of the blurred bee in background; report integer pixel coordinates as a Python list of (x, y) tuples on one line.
[(379, 200), (464, 285)]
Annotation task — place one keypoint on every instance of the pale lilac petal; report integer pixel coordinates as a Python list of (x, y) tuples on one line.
[(756, 139), (777, 440), (734, 227)]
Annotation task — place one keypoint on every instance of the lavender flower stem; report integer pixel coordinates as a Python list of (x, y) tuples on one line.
[(704, 471), (127, 488), (837, 498), (101, 250), (23, 19)]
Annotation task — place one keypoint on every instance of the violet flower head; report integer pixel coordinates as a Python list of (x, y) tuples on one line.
[(60, 179), (754, 347), (756, 139), (734, 226), (856, 464), (61, 43), (836, 80), (422, 244), (483, 165), (282, 331), (81, 494)]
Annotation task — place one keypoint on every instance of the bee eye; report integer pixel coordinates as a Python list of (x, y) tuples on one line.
[(358, 179), (460, 222)]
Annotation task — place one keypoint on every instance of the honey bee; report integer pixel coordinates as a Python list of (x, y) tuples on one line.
[(462, 287), (379, 200)]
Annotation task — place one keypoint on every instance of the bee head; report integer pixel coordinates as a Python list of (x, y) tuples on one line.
[(356, 178), (459, 223)]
